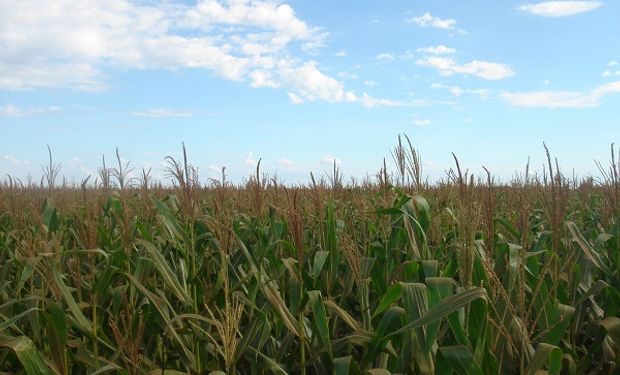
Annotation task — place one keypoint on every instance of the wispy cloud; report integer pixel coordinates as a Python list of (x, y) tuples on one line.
[(286, 164), (163, 112), (10, 110), (250, 161), (372, 102), (458, 91), (437, 50), (15, 161), (609, 73), (447, 66), (294, 98), (428, 19), (347, 75), (385, 56), (421, 122), (561, 99), (329, 159), (560, 8), (341, 53)]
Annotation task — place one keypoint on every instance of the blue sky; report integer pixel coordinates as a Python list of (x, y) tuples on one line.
[(303, 83)]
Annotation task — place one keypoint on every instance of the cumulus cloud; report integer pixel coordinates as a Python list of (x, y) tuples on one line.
[(68, 44), (311, 84), (561, 99), (428, 19), (560, 8), (10, 110), (447, 66), (163, 112), (78, 44), (437, 50)]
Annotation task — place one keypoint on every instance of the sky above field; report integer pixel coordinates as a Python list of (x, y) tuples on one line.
[(301, 84)]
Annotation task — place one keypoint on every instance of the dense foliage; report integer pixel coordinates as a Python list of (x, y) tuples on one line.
[(465, 277)]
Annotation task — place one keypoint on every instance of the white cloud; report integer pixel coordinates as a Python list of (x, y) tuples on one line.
[(458, 91), (11, 159), (560, 8), (311, 84), (163, 112), (341, 53), (286, 164), (609, 73), (250, 161), (421, 122), (385, 56), (428, 20), (612, 63), (294, 98), (407, 55), (78, 44), (369, 82), (68, 44), (10, 110), (447, 66), (347, 75), (262, 78), (437, 50), (330, 159), (372, 102), (561, 99)]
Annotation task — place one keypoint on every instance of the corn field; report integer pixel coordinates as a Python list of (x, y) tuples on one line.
[(390, 276)]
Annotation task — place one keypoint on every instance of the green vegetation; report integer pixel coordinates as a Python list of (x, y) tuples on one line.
[(465, 276)]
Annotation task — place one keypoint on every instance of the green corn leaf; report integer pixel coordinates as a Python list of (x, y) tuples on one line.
[(84, 323), (169, 277), (319, 261), (585, 247), (29, 357), (460, 358), (387, 325), (390, 297), (343, 314), (547, 354), (320, 319), (612, 326), (444, 308), (345, 366)]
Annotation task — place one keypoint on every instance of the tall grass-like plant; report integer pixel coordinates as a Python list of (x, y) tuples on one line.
[(465, 276)]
